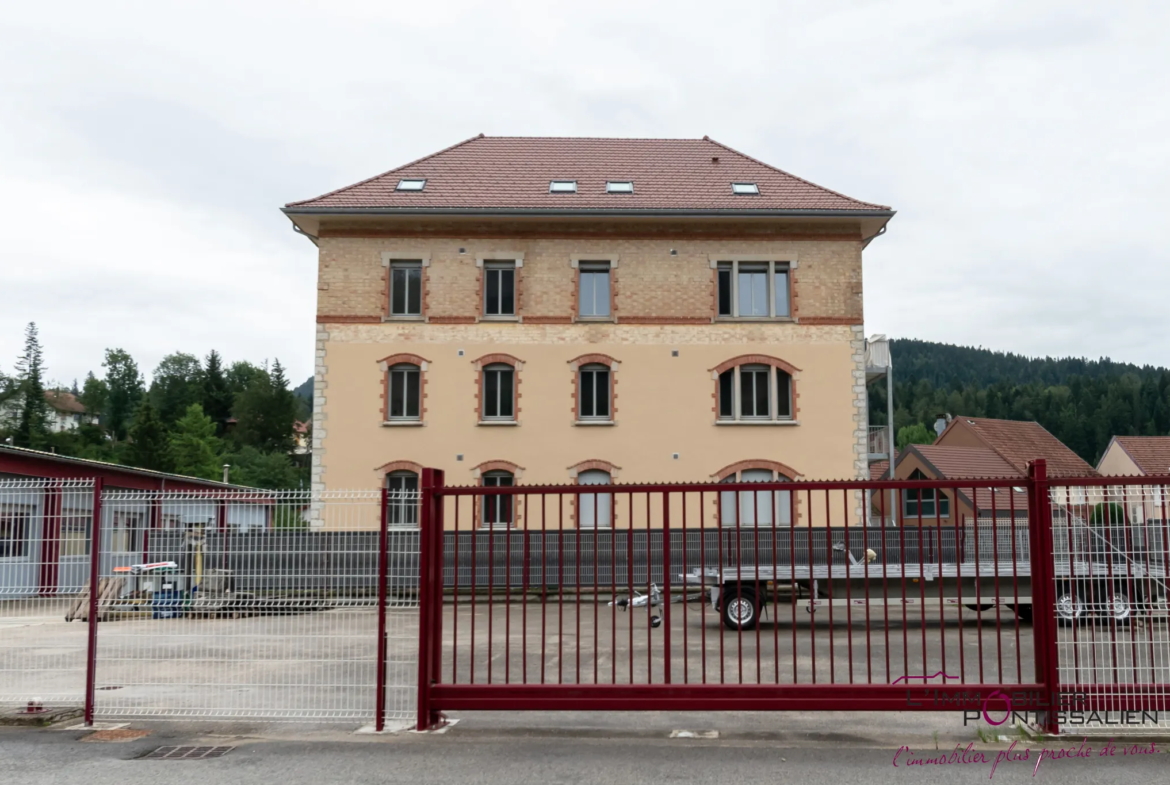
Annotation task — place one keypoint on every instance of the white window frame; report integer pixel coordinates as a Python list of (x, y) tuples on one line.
[(408, 184), (405, 369), (738, 189), (619, 186), (599, 504), (493, 503), (593, 369), (497, 368), (392, 260), (403, 502), (594, 267), (781, 510), (775, 266), (562, 186), (737, 414), (498, 267)]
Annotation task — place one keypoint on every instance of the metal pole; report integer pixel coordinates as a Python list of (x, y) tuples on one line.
[(383, 570), (1043, 592), (890, 428), (430, 594), (94, 582)]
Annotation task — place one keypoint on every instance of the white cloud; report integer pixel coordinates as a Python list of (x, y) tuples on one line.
[(146, 150)]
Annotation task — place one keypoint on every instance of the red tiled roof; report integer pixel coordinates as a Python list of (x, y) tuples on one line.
[(64, 402), (1018, 442), (878, 469), (501, 172), (1150, 453), (955, 463)]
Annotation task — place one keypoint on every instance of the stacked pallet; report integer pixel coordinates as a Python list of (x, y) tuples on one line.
[(109, 590)]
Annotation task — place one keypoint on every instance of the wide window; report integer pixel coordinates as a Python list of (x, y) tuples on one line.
[(596, 508), (752, 509), (402, 499), (406, 288), (499, 392), (593, 389), (755, 392), (925, 502), (126, 532), (593, 290), (497, 510), (753, 290), (404, 381), (499, 289)]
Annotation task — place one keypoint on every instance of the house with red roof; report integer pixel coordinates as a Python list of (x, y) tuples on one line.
[(583, 310)]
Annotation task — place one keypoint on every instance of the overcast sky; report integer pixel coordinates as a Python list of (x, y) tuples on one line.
[(145, 151)]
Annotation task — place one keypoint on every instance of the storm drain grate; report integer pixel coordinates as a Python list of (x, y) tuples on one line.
[(187, 753)]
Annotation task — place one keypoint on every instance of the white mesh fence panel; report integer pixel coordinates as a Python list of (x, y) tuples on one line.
[(1111, 552), (44, 568)]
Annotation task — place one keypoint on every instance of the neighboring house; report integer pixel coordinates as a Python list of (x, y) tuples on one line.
[(1138, 456), (556, 310), (1017, 442), (66, 413), (301, 438), (974, 448)]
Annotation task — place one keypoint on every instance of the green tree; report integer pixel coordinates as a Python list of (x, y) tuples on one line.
[(149, 443), (95, 395), (176, 384), (265, 413), (217, 394), (241, 374), (256, 469), (193, 446), (125, 386), (32, 417), (913, 434)]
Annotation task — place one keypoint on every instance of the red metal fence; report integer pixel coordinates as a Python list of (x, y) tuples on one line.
[(894, 595)]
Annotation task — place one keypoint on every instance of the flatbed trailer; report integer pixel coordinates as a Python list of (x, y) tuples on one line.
[(963, 566)]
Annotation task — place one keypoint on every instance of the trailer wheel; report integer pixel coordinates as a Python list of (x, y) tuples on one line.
[(1070, 608), (740, 609), (978, 608), (1119, 609)]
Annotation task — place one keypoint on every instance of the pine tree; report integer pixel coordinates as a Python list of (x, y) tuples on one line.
[(125, 386), (32, 421), (265, 413), (193, 447), (95, 395), (177, 383), (217, 395), (149, 445)]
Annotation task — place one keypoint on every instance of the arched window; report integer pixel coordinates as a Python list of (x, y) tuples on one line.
[(755, 391), (596, 509), (499, 392), (755, 508), (497, 510), (402, 499), (404, 392), (594, 393)]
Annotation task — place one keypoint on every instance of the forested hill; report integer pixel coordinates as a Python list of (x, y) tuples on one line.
[(1082, 402)]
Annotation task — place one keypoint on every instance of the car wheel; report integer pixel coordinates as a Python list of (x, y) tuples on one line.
[(1070, 608)]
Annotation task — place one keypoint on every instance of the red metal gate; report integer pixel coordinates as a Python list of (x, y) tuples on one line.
[(892, 595)]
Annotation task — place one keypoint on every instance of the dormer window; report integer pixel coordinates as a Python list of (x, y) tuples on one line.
[(619, 187), (411, 185), (745, 189), (562, 187)]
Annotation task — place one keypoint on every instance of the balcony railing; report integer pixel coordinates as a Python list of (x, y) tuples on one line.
[(879, 442)]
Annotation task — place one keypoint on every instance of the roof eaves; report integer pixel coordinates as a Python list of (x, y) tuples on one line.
[(68, 459), (545, 212)]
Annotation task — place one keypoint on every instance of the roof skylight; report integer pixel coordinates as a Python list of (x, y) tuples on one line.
[(411, 185), (619, 187), (562, 187), (745, 189)]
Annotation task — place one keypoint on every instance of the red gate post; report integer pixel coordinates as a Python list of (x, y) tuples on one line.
[(430, 593), (95, 557), (1043, 591), (383, 576)]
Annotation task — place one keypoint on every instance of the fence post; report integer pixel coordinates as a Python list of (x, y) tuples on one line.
[(383, 576), (665, 584), (430, 593), (1043, 591), (95, 561)]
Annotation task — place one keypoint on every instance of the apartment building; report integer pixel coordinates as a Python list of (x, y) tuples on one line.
[(589, 311)]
